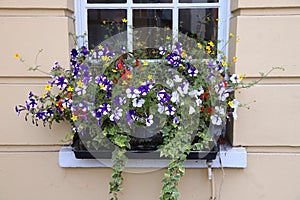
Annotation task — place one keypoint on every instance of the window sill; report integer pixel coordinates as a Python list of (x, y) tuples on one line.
[(231, 157)]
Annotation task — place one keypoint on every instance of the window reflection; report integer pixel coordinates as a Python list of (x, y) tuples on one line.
[(106, 1), (152, 1), (198, 1), (200, 23), (100, 25)]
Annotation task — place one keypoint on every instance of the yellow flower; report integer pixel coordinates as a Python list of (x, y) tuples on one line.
[(48, 87), (145, 63), (102, 86), (240, 77), (129, 76), (199, 45), (124, 20), (44, 95), (231, 34), (100, 47), (217, 19), (113, 70), (211, 44), (224, 63), (230, 103), (238, 40), (182, 66), (168, 37), (183, 54), (234, 58), (103, 22), (140, 44), (74, 117), (16, 55), (208, 49), (149, 77), (79, 84), (105, 58), (70, 89), (124, 83)]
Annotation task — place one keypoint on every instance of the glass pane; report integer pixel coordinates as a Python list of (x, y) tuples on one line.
[(152, 18), (106, 1), (161, 18), (199, 23), (198, 1), (103, 24), (152, 1)]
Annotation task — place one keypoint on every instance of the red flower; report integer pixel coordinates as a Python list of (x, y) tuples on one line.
[(120, 64), (70, 95), (209, 110)]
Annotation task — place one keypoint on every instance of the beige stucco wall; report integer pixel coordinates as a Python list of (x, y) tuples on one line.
[(268, 33)]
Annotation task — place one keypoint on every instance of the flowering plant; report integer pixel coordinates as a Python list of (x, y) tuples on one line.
[(111, 94)]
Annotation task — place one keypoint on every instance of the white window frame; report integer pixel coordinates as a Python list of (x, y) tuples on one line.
[(228, 157), (81, 7)]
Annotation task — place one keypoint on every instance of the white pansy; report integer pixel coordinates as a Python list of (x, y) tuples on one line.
[(216, 120), (161, 108), (175, 97), (170, 82), (138, 102), (220, 110), (198, 102), (177, 79), (149, 120)]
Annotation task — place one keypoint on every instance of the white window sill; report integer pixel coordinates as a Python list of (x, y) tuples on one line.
[(231, 157)]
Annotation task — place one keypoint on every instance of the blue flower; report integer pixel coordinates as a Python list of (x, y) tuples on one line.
[(170, 110), (144, 89), (162, 50), (193, 72), (41, 115), (74, 53), (84, 50), (174, 59), (130, 116), (31, 104), (61, 82), (163, 96)]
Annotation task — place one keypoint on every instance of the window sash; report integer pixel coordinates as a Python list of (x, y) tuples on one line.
[(81, 7)]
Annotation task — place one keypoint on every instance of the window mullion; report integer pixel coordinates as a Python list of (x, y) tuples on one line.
[(175, 21), (129, 25)]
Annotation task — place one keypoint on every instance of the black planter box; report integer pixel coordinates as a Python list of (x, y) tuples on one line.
[(139, 154), (142, 149)]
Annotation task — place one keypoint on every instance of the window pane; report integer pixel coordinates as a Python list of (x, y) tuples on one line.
[(198, 1), (152, 1), (100, 25), (200, 23), (106, 1), (152, 17)]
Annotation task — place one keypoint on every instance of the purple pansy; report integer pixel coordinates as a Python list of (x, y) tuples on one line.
[(192, 72), (144, 89), (163, 96), (130, 116), (170, 110), (84, 50), (174, 59), (61, 82), (31, 103)]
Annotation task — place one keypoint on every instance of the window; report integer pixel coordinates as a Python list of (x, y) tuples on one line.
[(207, 18)]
